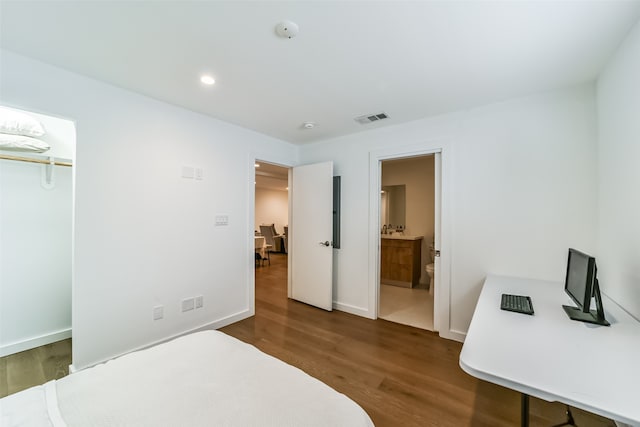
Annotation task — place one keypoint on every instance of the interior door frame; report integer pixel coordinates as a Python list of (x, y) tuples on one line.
[(442, 293), (251, 220)]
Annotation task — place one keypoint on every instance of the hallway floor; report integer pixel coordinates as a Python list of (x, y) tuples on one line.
[(408, 306)]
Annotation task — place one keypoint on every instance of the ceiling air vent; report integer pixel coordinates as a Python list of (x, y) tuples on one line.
[(363, 120)]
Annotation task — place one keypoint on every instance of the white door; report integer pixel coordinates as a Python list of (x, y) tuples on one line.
[(311, 231)]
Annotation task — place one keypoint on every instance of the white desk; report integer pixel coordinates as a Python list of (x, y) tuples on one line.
[(548, 355)]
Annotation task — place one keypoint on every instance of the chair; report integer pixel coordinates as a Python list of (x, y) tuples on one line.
[(262, 251), (271, 237), (286, 239)]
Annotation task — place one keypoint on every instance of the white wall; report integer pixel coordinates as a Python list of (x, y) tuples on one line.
[(417, 174), (35, 245), (143, 234), (618, 256), (522, 192), (272, 206)]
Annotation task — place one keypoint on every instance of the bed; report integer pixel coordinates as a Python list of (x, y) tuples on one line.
[(202, 379)]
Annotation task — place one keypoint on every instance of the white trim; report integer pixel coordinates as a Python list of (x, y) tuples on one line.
[(453, 335), (30, 343), (443, 294), (290, 245), (251, 215), (352, 309), (216, 324)]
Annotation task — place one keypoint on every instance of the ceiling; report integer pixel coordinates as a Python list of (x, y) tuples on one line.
[(272, 177), (350, 58)]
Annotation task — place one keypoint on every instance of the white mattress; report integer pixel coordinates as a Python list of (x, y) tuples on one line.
[(202, 379)]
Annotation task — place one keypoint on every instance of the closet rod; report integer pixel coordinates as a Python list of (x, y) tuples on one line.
[(32, 160)]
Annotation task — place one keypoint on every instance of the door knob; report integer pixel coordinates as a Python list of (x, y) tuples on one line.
[(325, 243)]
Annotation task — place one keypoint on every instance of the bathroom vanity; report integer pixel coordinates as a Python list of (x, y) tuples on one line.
[(400, 258)]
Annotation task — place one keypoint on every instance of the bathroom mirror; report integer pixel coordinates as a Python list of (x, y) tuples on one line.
[(393, 205)]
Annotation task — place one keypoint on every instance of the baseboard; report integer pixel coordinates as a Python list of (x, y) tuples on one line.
[(453, 335), (207, 326), (30, 343), (352, 309), (621, 424)]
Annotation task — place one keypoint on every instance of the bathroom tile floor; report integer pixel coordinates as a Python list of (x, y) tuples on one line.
[(408, 306)]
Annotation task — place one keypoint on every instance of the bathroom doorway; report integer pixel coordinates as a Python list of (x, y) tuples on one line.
[(407, 237)]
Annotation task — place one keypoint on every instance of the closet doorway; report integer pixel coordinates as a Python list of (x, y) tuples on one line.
[(37, 155)]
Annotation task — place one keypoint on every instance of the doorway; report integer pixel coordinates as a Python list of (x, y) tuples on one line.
[(271, 226), (407, 240), (37, 183), (441, 149), (307, 243)]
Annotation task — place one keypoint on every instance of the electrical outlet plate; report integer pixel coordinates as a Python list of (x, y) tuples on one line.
[(222, 220), (187, 304), (199, 301)]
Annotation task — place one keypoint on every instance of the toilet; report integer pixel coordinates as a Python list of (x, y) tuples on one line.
[(430, 267), (430, 273)]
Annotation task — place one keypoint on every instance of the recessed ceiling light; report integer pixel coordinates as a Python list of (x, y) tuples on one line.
[(308, 125), (207, 79)]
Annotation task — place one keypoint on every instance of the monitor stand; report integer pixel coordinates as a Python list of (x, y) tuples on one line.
[(591, 317)]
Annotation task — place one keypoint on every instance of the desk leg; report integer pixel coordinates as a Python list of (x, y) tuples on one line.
[(524, 410)]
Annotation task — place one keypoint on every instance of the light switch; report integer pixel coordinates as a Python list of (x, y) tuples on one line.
[(187, 172), (158, 312), (199, 174)]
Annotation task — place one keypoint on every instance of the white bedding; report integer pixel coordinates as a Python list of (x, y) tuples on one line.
[(202, 379)]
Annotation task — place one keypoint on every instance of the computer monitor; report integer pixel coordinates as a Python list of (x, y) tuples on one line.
[(581, 284)]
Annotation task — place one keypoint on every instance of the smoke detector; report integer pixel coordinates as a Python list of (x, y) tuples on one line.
[(287, 29), (368, 118)]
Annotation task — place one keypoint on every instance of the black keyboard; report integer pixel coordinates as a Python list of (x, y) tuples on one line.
[(517, 303)]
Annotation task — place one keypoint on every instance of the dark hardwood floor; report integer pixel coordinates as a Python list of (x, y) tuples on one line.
[(402, 376)]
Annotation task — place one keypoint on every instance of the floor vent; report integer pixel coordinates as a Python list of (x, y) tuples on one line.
[(363, 120)]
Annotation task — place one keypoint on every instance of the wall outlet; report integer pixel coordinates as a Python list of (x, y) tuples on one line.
[(158, 312), (199, 301), (222, 220), (187, 304)]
